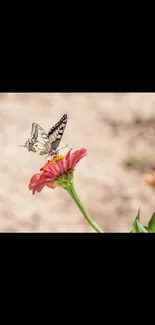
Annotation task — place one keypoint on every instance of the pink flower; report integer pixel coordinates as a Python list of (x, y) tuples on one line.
[(56, 172)]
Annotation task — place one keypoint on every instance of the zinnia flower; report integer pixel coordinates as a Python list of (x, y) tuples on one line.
[(57, 172)]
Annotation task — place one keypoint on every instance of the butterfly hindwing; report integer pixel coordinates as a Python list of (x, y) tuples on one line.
[(56, 132), (40, 139)]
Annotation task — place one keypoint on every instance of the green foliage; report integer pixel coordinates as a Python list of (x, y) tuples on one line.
[(151, 224), (137, 227)]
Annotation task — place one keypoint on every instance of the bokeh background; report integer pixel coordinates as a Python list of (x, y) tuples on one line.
[(118, 129)]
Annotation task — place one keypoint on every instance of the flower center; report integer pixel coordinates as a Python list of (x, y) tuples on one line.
[(57, 158)]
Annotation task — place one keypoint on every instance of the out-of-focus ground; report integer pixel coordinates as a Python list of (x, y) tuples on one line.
[(116, 129)]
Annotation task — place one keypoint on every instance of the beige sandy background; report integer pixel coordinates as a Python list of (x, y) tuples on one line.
[(113, 127)]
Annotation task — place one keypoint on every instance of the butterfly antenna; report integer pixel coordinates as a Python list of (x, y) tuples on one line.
[(63, 147)]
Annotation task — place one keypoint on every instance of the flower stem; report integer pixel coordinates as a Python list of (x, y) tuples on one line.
[(76, 199)]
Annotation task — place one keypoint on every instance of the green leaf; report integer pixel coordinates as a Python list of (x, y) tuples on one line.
[(137, 227), (151, 224), (140, 227), (138, 215), (134, 227)]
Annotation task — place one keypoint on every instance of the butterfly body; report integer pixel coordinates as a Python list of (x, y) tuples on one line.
[(46, 144)]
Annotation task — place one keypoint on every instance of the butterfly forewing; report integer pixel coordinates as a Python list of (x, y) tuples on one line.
[(56, 132), (40, 139), (38, 133), (34, 131)]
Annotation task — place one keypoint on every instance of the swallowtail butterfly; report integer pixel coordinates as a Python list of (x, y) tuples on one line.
[(46, 144)]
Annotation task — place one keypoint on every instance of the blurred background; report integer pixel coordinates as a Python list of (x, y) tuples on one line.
[(117, 129)]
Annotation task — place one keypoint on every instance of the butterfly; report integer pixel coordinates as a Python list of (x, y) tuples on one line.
[(46, 144)]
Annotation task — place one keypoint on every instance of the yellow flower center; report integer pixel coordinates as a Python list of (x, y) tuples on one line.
[(57, 158)]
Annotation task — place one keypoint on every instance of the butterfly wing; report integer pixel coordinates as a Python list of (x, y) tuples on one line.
[(40, 139), (56, 132)]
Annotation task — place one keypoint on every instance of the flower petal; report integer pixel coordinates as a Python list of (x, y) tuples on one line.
[(38, 181), (61, 167), (65, 166), (46, 168), (77, 156), (68, 154)]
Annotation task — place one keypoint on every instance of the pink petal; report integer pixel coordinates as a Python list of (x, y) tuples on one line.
[(51, 185), (65, 166), (68, 154), (61, 168), (69, 163), (78, 155), (46, 167), (54, 169)]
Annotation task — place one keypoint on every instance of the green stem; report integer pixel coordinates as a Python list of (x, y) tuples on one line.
[(76, 199)]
